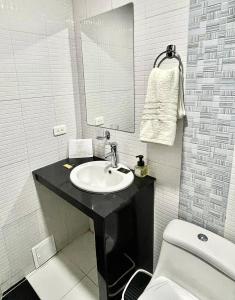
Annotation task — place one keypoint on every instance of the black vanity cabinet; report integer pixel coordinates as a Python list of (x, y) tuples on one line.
[(123, 223)]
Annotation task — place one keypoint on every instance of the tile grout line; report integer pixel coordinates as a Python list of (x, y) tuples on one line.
[(87, 277)]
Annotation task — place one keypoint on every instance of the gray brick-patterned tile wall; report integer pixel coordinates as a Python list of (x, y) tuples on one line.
[(210, 102)]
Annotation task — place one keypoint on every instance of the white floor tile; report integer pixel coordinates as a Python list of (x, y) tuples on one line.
[(55, 279), (85, 290), (81, 252), (93, 275)]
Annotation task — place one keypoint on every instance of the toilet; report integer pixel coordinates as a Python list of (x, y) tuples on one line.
[(194, 264)]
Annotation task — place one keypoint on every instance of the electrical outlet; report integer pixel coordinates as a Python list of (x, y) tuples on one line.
[(99, 120), (59, 130)]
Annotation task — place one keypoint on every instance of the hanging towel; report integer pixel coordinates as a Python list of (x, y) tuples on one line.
[(164, 104)]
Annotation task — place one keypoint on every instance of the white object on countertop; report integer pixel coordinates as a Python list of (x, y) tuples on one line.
[(79, 148), (163, 105)]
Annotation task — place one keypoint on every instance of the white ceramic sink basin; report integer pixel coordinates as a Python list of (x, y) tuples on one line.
[(99, 177)]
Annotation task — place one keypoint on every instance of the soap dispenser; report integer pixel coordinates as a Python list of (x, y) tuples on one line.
[(141, 170)]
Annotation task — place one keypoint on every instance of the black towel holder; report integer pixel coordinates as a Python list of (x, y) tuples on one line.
[(170, 53)]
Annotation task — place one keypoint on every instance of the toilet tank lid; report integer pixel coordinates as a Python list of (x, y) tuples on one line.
[(216, 251)]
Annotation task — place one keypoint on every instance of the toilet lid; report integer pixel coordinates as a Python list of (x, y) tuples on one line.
[(162, 288)]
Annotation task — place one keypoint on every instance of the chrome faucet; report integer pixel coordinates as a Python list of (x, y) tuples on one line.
[(113, 155), (113, 146)]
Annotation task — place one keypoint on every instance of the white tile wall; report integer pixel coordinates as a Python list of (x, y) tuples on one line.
[(5, 267), (25, 15), (39, 137), (157, 24), (17, 193), (13, 142), (8, 78), (38, 90), (31, 60), (62, 58), (20, 236), (59, 18)]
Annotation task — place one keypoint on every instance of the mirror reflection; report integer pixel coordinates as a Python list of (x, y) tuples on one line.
[(108, 61)]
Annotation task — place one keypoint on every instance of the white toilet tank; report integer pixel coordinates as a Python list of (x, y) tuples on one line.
[(198, 260)]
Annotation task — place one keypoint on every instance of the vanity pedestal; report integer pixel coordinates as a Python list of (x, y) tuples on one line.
[(123, 223)]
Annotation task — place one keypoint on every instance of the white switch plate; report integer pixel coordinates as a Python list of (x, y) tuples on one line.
[(59, 130), (99, 120), (43, 251)]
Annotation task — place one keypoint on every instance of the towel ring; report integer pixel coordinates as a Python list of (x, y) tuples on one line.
[(170, 54)]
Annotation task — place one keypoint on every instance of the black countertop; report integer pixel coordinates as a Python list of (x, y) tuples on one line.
[(57, 178)]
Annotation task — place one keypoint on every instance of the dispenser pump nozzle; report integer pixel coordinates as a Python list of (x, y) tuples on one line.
[(140, 162)]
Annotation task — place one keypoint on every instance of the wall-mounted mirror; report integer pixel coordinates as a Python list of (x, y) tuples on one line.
[(108, 61)]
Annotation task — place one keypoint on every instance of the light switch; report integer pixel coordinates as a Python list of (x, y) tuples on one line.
[(59, 130)]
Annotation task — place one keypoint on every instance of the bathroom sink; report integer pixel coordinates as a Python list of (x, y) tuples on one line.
[(100, 177)]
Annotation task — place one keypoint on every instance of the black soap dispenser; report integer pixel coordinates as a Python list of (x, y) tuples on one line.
[(141, 170)]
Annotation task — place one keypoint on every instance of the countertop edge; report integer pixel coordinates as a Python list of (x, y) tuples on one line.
[(40, 175)]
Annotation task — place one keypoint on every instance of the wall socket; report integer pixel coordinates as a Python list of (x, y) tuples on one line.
[(59, 130)]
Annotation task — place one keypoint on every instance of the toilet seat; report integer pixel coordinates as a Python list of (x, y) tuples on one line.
[(163, 288)]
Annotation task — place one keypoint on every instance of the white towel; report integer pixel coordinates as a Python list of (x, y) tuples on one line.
[(163, 105)]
